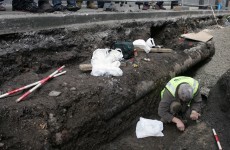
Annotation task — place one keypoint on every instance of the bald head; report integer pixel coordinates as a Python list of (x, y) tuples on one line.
[(185, 92)]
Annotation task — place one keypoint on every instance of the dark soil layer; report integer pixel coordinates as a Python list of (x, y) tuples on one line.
[(198, 135), (216, 115), (90, 110), (217, 112), (40, 51)]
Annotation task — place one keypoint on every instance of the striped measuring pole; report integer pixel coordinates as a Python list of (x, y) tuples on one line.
[(27, 86), (41, 82), (217, 139)]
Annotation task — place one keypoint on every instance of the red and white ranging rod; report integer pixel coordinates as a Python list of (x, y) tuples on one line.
[(27, 86), (41, 82), (217, 139)]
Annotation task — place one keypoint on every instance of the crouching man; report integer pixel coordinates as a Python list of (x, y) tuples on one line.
[(180, 99)]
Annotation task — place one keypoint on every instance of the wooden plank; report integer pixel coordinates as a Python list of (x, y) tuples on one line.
[(156, 50), (85, 67)]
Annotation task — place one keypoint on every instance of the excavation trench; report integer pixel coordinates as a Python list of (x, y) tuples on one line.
[(91, 111)]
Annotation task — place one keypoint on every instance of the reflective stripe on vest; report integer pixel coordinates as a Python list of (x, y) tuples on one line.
[(174, 82)]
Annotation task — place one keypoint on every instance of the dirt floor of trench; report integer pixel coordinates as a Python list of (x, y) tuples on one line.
[(213, 74), (91, 112)]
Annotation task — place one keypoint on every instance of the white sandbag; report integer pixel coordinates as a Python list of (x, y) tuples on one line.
[(141, 44), (106, 62), (148, 127)]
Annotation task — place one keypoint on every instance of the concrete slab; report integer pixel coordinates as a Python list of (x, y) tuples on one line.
[(16, 21)]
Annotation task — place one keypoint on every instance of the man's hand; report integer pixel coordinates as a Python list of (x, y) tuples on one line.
[(194, 115), (179, 124)]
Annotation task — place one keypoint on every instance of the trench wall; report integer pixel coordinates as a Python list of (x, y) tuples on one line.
[(41, 50), (101, 108)]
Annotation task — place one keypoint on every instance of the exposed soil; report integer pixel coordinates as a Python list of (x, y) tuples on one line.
[(218, 112), (92, 111), (198, 135)]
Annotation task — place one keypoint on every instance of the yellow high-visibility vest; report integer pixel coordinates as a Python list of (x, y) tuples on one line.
[(174, 82)]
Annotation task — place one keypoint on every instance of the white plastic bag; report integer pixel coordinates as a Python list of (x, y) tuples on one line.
[(148, 127), (141, 44), (150, 42), (106, 62)]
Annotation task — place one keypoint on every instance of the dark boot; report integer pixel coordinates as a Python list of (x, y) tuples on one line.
[(100, 4), (146, 6), (91, 5), (174, 3), (159, 5), (79, 3), (15, 4), (72, 8), (44, 6), (59, 8), (139, 4), (25, 5)]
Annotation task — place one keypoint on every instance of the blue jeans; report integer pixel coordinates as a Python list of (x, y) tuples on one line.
[(69, 2)]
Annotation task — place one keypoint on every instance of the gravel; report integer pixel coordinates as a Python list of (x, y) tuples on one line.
[(210, 72)]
